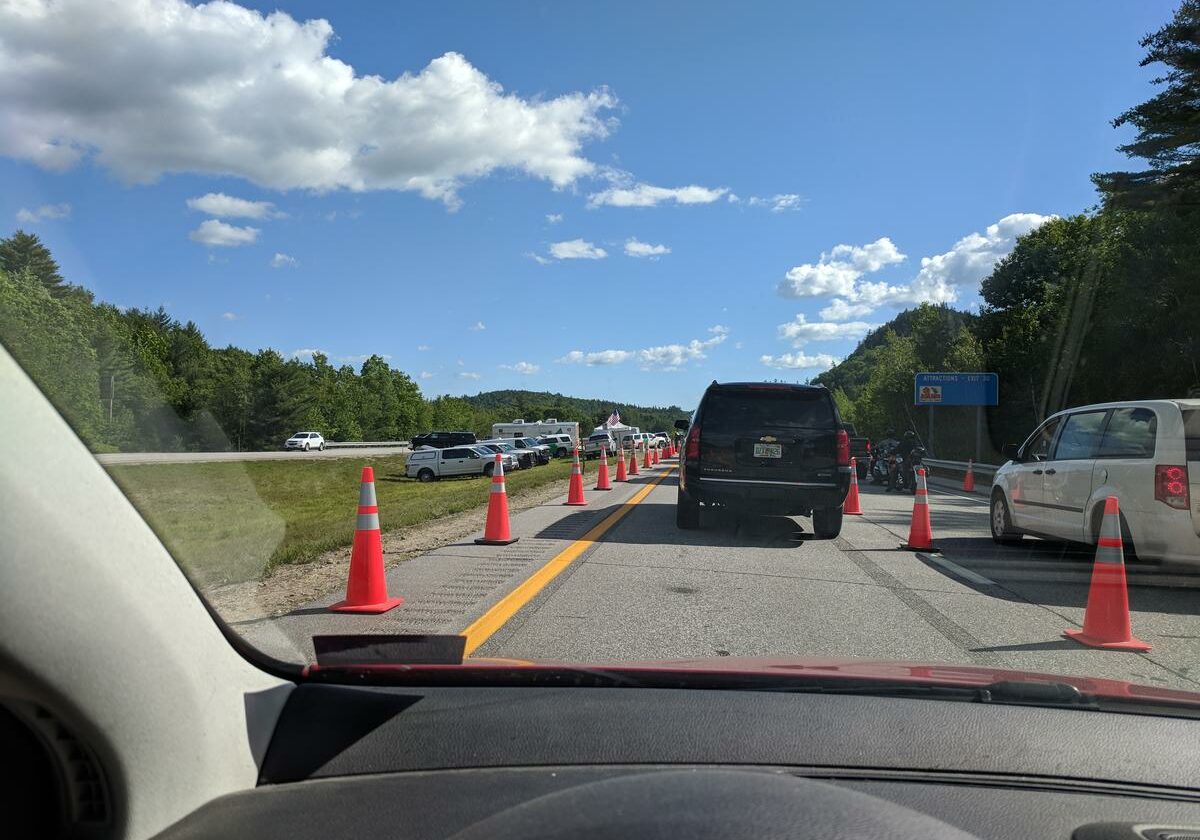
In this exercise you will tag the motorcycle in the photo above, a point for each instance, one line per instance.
(896, 473)
(915, 460)
(878, 469)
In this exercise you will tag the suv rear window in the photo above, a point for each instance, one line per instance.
(789, 408)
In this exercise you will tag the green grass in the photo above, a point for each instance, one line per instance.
(230, 522)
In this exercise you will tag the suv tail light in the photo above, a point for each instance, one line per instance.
(692, 447)
(843, 448)
(868, 447)
(1171, 486)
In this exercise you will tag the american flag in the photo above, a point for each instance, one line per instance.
(614, 418)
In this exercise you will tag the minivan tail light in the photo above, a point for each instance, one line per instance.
(843, 448)
(1171, 486)
(692, 447)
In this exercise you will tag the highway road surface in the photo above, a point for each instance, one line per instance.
(114, 458)
(617, 581)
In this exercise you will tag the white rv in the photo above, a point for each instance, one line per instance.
(537, 428)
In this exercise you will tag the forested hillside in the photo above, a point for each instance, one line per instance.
(140, 380)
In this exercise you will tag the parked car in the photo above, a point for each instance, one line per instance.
(525, 458)
(768, 448)
(305, 441)
(540, 451)
(440, 440)
(429, 463)
(512, 459)
(561, 446)
(1143, 452)
(591, 446)
(860, 450)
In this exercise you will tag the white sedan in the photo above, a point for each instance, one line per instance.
(305, 441)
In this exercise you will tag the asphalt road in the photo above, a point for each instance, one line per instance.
(113, 458)
(764, 586)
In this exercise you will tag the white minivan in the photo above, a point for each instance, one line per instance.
(1146, 453)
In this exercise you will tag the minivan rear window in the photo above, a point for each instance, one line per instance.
(1131, 433)
(1191, 433)
(788, 408)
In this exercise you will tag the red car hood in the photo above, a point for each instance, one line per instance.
(794, 667)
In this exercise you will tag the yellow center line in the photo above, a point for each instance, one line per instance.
(483, 627)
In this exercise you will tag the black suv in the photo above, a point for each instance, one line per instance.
(768, 448)
(440, 440)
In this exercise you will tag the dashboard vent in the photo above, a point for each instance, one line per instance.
(83, 780)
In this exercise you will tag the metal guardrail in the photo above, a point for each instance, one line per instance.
(359, 444)
(961, 466)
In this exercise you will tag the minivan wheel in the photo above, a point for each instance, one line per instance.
(1002, 527)
(687, 512)
(425, 476)
(827, 522)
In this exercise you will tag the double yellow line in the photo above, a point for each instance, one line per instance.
(508, 606)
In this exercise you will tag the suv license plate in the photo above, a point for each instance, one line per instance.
(768, 450)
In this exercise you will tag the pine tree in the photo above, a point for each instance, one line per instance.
(24, 252)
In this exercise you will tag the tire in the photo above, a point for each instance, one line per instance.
(425, 476)
(827, 522)
(321, 448)
(488, 469)
(306, 447)
(1003, 532)
(687, 512)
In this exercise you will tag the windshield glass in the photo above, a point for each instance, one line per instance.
(223, 222)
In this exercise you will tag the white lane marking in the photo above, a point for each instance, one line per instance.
(956, 569)
(933, 488)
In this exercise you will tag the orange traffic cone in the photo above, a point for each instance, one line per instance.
(920, 533)
(621, 476)
(495, 527)
(575, 489)
(969, 478)
(852, 505)
(366, 588)
(633, 467)
(1106, 619)
(602, 482)
(646, 458)
(654, 459)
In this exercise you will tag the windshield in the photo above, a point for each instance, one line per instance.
(967, 240)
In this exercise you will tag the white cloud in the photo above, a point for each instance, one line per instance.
(46, 211)
(737, 345)
(228, 207)
(634, 248)
(538, 258)
(625, 193)
(523, 368)
(800, 331)
(460, 363)
(163, 86)
(281, 260)
(478, 326)
(425, 374)
(214, 232)
(308, 352)
(577, 249)
(840, 310)
(837, 271)
(800, 361)
(664, 357)
(779, 203)
(362, 357)
(554, 218)
(231, 316)
(421, 348)
(466, 374)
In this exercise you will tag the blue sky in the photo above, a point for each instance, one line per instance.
(795, 166)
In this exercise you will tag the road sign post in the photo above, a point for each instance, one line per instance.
(965, 388)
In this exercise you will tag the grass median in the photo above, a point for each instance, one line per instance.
(231, 522)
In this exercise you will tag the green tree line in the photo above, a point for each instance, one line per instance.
(140, 380)
(1099, 306)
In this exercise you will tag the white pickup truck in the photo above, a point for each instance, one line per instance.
(428, 464)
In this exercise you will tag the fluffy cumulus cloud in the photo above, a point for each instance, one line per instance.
(162, 86)
(634, 248)
(801, 331)
(780, 203)
(840, 272)
(524, 368)
(625, 192)
(281, 260)
(46, 211)
(214, 232)
(800, 361)
(661, 357)
(308, 352)
(229, 207)
(577, 249)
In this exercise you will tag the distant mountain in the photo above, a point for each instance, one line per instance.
(507, 405)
